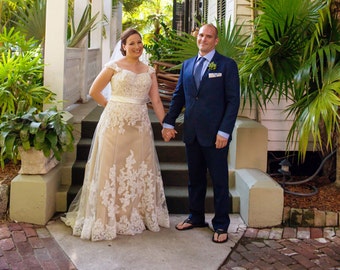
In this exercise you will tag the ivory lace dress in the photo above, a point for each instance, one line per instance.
(122, 191)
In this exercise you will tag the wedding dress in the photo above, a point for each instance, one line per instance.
(122, 191)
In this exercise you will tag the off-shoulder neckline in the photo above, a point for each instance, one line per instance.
(146, 72)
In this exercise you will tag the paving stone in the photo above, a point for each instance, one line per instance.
(24, 249)
(36, 242)
(273, 244)
(275, 233)
(303, 233)
(328, 232)
(263, 233)
(30, 231)
(7, 244)
(43, 233)
(19, 236)
(331, 218)
(4, 232)
(3, 263)
(319, 218)
(289, 232)
(251, 232)
(316, 233)
(14, 226)
(307, 218)
(304, 261)
(295, 217)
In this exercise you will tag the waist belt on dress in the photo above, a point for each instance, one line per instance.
(129, 100)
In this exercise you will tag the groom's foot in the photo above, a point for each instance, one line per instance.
(188, 224)
(220, 236)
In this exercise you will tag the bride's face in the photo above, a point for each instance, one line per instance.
(134, 46)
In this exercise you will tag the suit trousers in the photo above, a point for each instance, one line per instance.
(202, 160)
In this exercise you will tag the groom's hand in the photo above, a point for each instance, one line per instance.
(168, 134)
(220, 142)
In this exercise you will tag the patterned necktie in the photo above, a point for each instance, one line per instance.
(198, 71)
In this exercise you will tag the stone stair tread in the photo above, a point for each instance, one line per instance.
(183, 192)
(171, 143)
(173, 166)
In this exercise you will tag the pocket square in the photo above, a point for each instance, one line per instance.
(215, 75)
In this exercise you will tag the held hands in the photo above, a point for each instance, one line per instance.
(220, 141)
(168, 134)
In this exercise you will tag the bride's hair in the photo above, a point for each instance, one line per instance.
(128, 32)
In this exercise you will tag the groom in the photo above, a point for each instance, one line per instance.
(208, 88)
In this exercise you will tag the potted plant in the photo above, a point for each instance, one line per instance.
(44, 133)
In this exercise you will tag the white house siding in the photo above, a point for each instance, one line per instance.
(278, 124)
(212, 11)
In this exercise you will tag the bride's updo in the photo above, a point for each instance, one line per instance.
(125, 35)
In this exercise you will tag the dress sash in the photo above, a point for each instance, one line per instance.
(129, 100)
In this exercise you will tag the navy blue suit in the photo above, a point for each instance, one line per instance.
(211, 108)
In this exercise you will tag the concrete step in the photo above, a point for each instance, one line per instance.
(170, 154)
(173, 151)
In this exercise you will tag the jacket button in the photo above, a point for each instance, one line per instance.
(196, 98)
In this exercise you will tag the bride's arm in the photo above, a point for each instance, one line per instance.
(103, 78)
(156, 100)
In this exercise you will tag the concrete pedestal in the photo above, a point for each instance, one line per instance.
(33, 197)
(261, 203)
(248, 148)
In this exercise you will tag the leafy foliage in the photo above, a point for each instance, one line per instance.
(30, 18)
(172, 47)
(45, 131)
(21, 73)
(147, 17)
(294, 54)
(175, 47)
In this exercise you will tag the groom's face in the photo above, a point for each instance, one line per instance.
(206, 39)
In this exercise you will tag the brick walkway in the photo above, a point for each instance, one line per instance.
(26, 246)
(286, 248)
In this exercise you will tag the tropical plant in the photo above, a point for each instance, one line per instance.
(177, 47)
(171, 46)
(86, 24)
(29, 19)
(45, 131)
(294, 55)
(21, 73)
(147, 16)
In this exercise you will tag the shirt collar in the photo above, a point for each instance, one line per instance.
(208, 56)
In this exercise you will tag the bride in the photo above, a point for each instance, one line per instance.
(123, 190)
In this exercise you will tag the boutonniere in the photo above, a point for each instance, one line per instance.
(212, 66)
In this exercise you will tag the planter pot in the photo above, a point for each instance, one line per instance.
(34, 162)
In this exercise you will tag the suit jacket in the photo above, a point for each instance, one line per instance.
(213, 106)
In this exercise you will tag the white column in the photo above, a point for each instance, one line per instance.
(55, 44)
(106, 41)
(116, 25)
(79, 7)
(96, 34)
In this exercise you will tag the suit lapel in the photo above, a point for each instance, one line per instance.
(206, 72)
